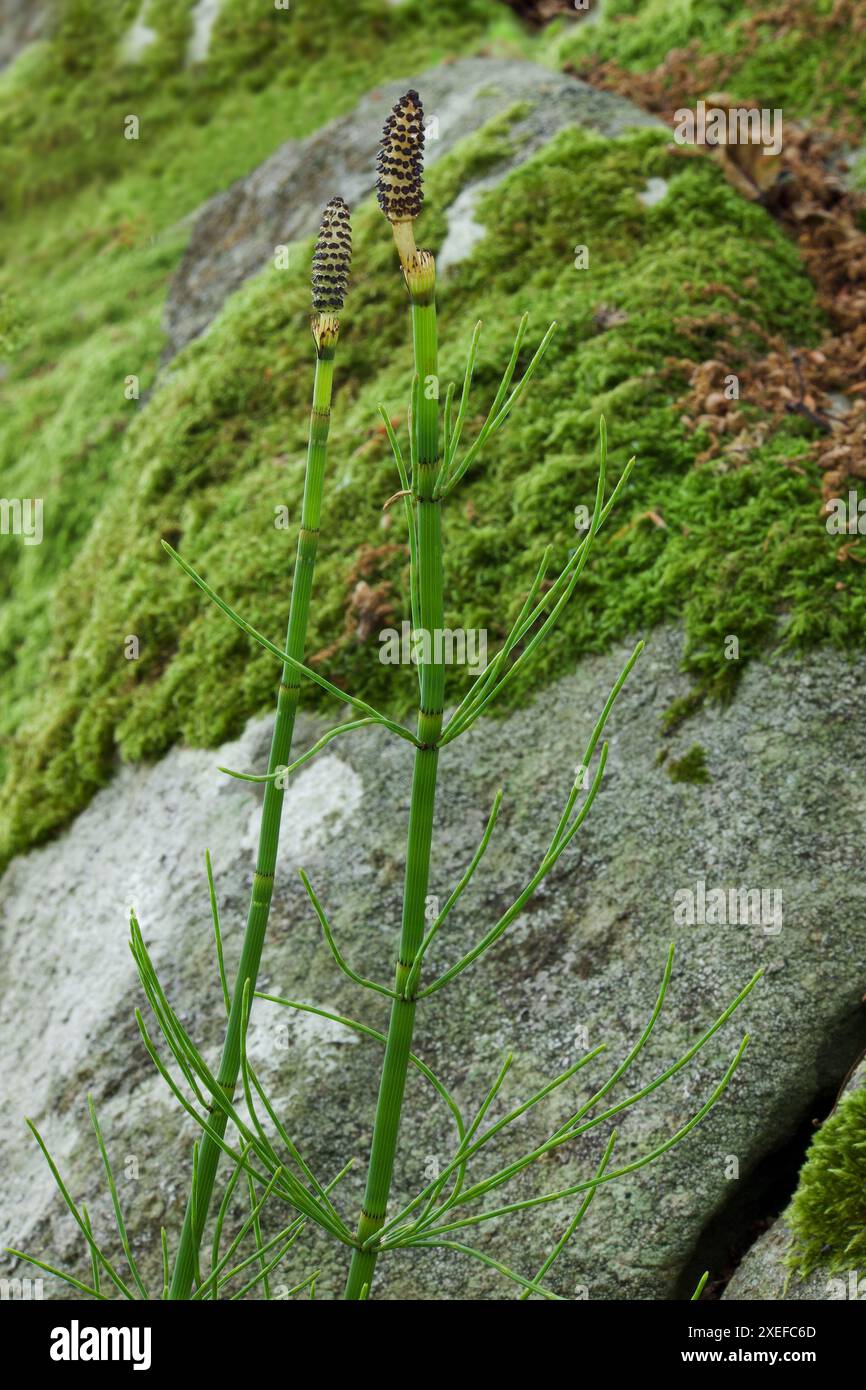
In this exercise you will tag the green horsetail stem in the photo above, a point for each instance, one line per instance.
(330, 274)
(421, 280)
(400, 197)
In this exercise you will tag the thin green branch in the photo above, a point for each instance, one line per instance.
(632, 1054)
(115, 1202)
(285, 1239)
(334, 949)
(452, 437)
(484, 687)
(447, 420)
(215, 914)
(267, 1147)
(449, 480)
(288, 1235)
(528, 1284)
(471, 1131)
(222, 1213)
(463, 1155)
(298, 1158)
(214, 1280)
(84, 1226)
(532, 1202)
(379, 1036)
(575, 1220)
(562, 837)
(500, 410)
(257, 1236)
(411, 418)
(414, 973)
(476, 1125)
(317, 747)
(486, 679)
(571, 1130)
(58, 1273)
(309, 1282)
(289, 1194)
(193, 1205)
(250, 1080)
(491, 691)
(411, 523)
(186, 1054)
(562, 833)
(94, 1263)
(517, 906)
(396, 1228)
(302, 1199)
(160, 1006)
(306, 671)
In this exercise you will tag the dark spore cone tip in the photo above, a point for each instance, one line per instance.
(332, 258)
(400, 162)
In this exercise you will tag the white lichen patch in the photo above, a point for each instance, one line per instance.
(204, 17)
(138, 37)
(317, 806)
(463, 230)
(653, 193)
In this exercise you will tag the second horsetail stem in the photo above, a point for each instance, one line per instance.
(330, 274)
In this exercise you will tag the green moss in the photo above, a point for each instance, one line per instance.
(679, 710)
(83, 284)
(270, 74)
(828, 1212)
(691, 767)
(639, 33)
(221, 444)
(805, 57)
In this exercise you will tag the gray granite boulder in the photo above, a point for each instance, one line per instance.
(783, 811)
(236, 232)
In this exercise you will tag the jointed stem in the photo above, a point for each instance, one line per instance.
(269, 833)
(430, 598)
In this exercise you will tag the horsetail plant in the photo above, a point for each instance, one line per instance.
(264, 1157)
(400, 197)
(331, 261)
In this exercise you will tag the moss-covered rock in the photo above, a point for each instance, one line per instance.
(204, 454)
(93, 228)
(523, 105)
(804, 57)
(828, 1213)
(817, 1248)
(220, 444)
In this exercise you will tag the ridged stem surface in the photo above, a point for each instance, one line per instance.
(269, 832)
(420, 834)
